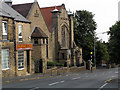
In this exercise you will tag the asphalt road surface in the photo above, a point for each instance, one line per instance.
(99, 79)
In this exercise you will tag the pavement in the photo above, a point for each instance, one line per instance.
(97, 80)
(28, 77)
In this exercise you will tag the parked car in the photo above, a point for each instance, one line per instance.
(104, 65)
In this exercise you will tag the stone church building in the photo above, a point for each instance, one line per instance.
(52, 35)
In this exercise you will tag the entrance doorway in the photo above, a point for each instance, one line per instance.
(28, 61)
(39, 66)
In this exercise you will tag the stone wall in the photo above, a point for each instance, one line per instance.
(26, 40)
(8, 44)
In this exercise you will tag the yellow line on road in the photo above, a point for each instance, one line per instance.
(108, 81)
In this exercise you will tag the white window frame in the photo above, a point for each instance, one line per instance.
(22, 60)
(5, 31)
(20, 29)
(5, 57)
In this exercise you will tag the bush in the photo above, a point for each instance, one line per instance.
(59, 64)
(52, 63)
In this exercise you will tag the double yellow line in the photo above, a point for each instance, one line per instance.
(108, 81)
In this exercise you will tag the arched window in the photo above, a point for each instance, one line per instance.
(63, 36)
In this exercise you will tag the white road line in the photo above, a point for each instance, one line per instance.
(56, 83)
(53, 83)
(75, 78)
(102, 86)
(116, 72)
(113, 76)
(62, 81)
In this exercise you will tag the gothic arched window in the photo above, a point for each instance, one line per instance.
(63, 36)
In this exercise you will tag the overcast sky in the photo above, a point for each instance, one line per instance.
(106, 11)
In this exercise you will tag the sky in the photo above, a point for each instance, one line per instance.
(106, 11)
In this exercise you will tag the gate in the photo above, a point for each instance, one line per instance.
(39, 66)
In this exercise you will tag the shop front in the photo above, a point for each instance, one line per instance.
(23, 59)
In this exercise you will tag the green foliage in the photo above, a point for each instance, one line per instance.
(52, 63)
(101, 53)
(59, 64)
(84, 32)
(114, 43)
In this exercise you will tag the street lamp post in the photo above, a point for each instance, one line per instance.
(94, 46)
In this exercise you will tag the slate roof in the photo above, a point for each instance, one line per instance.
(48, 15)
(46, 11)
(7, 11)
(38, 33)
(23, 8)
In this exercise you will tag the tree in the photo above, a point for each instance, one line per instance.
(101, 53)
(114, 43)
(84, 32)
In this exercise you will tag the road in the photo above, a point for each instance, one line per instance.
(99, 79)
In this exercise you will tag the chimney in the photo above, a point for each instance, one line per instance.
(8, 2)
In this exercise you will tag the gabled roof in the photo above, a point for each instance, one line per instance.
(38, 33)
(48, 15)
(23, 8)
(7, 11)
(46, 12)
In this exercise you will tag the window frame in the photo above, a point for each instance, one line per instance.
(63, 42)
(8, 67)
(36, 40)
(4, 30)
(22, 61)
(20, 29)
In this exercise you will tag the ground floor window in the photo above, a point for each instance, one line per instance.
(20, 59)
(5, 59)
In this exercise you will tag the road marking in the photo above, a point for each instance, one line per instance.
(56, 83)
(113, 76)
(62, 81)
(107, 81)
(66, 75)
(116, 72)
(75, 78)
(53, 83)
(102, 86)
(34, 88)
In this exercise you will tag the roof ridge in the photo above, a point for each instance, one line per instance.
(50, 7)
(22, 4)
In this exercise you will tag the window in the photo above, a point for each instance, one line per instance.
(5, 59)
(36, 14)
(46, 41)
(20, 60)
(35, 41)
(20, 28)
(5, 29)
(43, 41)
(47, 48)
(63, 35)
(63, 55)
